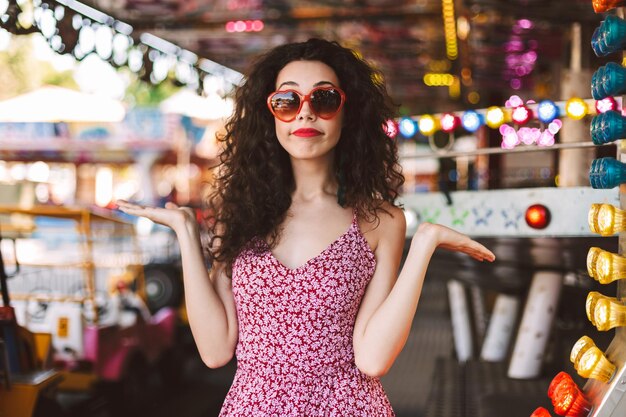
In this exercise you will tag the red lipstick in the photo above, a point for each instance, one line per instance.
(306, 132)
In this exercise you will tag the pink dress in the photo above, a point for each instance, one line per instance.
(294, 355)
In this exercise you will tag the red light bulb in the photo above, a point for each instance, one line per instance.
(606, 104)
(557, 380)
(567, 398)
(537, 216)
(541, 412)
(521, 115)
(449, 122)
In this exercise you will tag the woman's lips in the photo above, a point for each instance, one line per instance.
(306, 133)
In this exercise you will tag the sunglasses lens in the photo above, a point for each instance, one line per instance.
(285, 104)
(325, 102)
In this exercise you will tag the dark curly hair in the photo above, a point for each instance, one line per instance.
(255, 181)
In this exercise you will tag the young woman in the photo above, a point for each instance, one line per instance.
(305, 286)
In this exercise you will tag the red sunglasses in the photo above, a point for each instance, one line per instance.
(325, 103)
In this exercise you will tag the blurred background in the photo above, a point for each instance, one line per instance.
(503, 109)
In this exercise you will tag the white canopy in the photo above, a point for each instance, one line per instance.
(57, 104)
(188, 103)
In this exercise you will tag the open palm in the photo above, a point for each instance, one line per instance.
(450, 239)
(171, 216)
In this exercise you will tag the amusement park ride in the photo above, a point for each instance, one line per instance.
(78, 315)
(563, 227)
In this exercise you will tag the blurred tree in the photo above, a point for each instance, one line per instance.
(144, 94)
(21, 71)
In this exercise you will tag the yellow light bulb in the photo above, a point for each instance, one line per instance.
(580, 347)
(609, 313)
(606, 219)
(427, 125)
(590, 305)
(495, 117)
(609, 267)
(576, 108)
(590, 362)
(592, 218)
(592, 257)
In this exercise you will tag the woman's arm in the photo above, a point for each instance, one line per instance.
(209, 299)
(388, 307)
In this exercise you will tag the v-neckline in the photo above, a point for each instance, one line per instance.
(311, 260)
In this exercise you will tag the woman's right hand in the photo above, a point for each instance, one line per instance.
(173, 216)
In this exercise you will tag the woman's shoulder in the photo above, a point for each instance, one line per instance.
(386, 215)
(391, 218)
(388, 222)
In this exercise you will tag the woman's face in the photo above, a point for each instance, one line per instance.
(308, 136)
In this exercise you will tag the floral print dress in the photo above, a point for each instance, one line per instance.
(294, 354)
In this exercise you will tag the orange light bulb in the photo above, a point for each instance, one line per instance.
(601, 6)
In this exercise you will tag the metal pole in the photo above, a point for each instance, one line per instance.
(493, 151)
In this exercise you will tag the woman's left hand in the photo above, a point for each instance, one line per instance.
(446, 238)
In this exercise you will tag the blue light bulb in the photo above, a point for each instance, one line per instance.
(610, 36)
(597, 41)
(407, 127)
(547, 111)
(594, 81)
(472, 120)
(609, 80)
(607, 127)
(607, 173)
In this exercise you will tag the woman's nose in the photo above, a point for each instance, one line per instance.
(306, 111)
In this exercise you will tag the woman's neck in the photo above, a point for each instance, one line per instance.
(313, 179)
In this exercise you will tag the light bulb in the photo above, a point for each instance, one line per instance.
(601, 6)
(606, 104)
(606, 220)
(407, 127)
(472, 120)
(609, 37)
(610, 267)
(427, 125)
(576, 108)
(590, 362)
(567, 398)
(607, 127)
(607, 173)
(592, 257)
(609, 80)
(590, 305)
(495, 117)
(449, 122)
(609, 313)
(547, 111)
(521, 115)
(541, 412)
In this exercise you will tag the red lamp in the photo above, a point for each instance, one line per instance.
(449, 122)
(521, 115)
(567, 398)
(537, 216)
(606, 104)
(541, 412)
